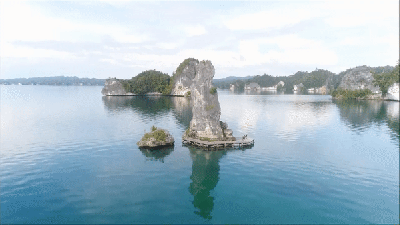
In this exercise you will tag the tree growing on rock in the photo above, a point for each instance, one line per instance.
(385, 79)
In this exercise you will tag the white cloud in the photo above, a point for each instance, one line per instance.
(167, 45)
(8, 50)
(232, 37)
(22, 22)
(195, 30)
(392, 40)
(293, 49)
(111, 61)
(276, 18)
(361, 13)
(351, 41)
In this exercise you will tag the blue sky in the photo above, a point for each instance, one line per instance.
(120, 39)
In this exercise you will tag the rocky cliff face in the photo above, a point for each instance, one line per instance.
(196, 77)
(206, 109)
(184, 81)
(114, 87)
(359, 78)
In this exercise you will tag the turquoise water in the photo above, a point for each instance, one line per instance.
(69, 155)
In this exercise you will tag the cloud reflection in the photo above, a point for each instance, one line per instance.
(287, 115)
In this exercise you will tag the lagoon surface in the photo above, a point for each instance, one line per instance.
(69, 155)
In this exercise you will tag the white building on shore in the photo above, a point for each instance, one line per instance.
(298, 87)
(252, 87)
(273, 88)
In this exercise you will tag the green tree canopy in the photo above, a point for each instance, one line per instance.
(147, 81)
(385, 79)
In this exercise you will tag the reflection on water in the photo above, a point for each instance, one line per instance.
(68, 157)
(151, 106)
(205, 176)
(259, 92)
(147, 105)
(157, 154)
(288, 116)
(273, 92)
(362, 114)
(182, 110)
(300, 116)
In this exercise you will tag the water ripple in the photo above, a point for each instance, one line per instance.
(318, 160)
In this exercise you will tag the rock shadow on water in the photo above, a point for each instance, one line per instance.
(205, 177)
(157, 154)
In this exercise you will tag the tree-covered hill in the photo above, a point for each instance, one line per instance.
(314, 79)
(154, 81)
(146, 82)
(384, 78)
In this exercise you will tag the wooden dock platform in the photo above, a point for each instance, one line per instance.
(215, 145)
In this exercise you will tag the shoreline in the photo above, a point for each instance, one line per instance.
(378, 99)
(148, 95)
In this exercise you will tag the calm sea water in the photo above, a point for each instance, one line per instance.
(69, 155)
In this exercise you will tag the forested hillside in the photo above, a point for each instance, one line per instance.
(385, 77)
(146, 82)
(314, 79)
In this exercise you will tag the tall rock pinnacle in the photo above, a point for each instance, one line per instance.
(194, 78)
(206, 109)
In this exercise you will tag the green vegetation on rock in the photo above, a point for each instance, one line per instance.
(190, 133)
(385, 79)
(213, 90)
(178, 72)
(351, 94)
(207, 139)
(209, 107)
(183, 64)
(146, 82)
(223, 127)
(316, 78)
(279, 87)
(159, 135)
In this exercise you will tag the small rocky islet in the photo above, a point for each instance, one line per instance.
(156, 138)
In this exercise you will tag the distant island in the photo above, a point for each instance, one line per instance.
(59, 80)
(362, 82)
(152, 82)
(309, 80)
